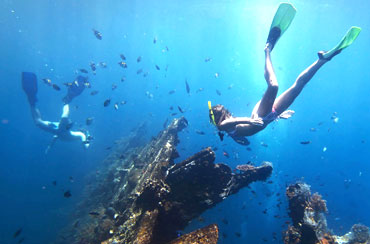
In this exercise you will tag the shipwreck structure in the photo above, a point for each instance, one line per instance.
(307, 212)
(141, 196)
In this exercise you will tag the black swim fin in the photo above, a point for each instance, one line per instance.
(29, 85)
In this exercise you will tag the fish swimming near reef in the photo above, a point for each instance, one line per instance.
(93, 93)
(47, 81)
(97, 34)
(180, 109)
(67, 194)
(89, 121)
(56, 87)
(157, 67)
(122, 64)
(187, 87)
(17, 233)
(92, 66)
(107, 102)
(84, 71)
(94, 213)
(138, 59)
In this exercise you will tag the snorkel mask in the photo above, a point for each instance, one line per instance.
(211, 113)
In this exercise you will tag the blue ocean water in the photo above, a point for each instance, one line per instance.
(54, 38)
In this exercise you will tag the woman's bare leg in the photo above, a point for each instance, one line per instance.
(288, 97)
(265, 105)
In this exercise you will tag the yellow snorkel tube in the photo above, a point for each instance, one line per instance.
(211, 113)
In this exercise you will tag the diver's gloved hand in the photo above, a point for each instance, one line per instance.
(257, 121)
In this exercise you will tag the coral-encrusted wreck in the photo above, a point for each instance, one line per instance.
(142, 197)
(309, 222)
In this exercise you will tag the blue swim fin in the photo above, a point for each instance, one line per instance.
(29, 85)
(75, 89)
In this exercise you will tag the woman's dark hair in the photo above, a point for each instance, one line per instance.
(220, 113)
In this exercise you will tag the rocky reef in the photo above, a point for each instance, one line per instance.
(142, 197)
(307, 212)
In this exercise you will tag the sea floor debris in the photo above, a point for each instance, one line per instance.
(307, 212)
(143, 197)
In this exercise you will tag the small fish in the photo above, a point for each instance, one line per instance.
(171, 92)
(87, 84)
(264, 144)
(226, 154)
(67, 194)
(106, 102)
(123, 79)
(68, 84)
(56, 87)
(97, 34)
(217, 75)
(108, 148)
(89, 120)
(138, 59)
(145, 74)
(157, 67)
(305, 142)
(103, 65)
(238, 234)
(94, 213)
(139, 71)
(171, 108)
(92, 66)
(47, 81)
(21, 240)
(93, 93)
(187, 87)
(199, 132)
(200, 90)
(17, 233)
(54, 182)
(122, 57)
(123, 102)
(207, 59)
(116, 106)
(180, 109)
(218, 92)
(84, 71)
(312, 129)
(114, 87)
(155, 40)
(71, 179)
(122, 64)
(173, 114)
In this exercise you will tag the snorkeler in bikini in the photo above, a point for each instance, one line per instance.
(270, 108)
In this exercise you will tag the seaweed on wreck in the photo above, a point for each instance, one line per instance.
(144, 198)
(307, 212)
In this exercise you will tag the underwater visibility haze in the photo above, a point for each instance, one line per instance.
(109, 67)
